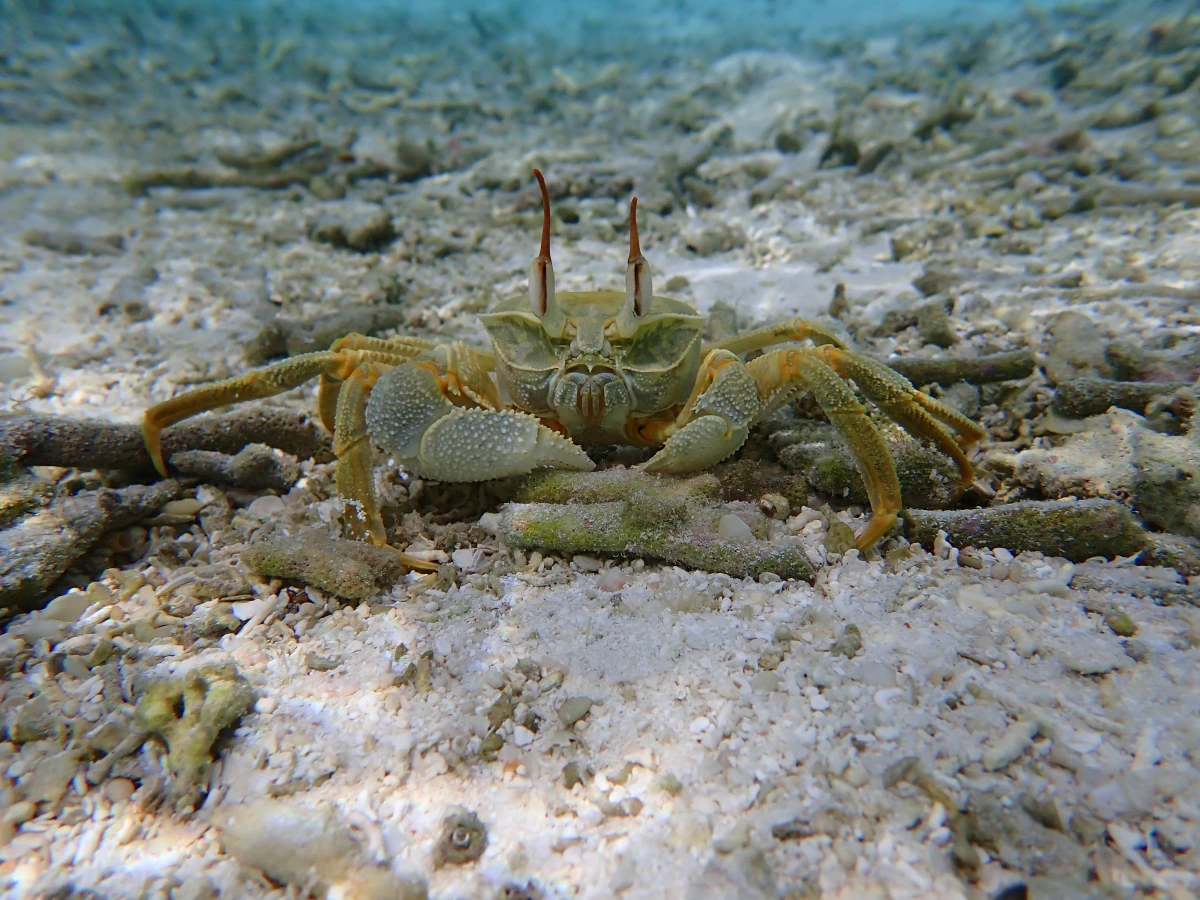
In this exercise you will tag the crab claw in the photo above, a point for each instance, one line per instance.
(409, 415)
(541, 274)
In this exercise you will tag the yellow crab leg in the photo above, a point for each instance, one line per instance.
(355, 473)
(265, 382)
(779, 333)
(782, 371)
(916, 412)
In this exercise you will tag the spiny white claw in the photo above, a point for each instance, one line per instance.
(480, 444)
(701, 443)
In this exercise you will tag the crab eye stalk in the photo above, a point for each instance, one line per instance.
(541, 274)
(638, 286)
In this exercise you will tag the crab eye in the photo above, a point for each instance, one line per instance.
(541, 273)
(541, 285)
(638, 286)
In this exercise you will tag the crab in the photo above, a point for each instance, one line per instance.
(568, 369)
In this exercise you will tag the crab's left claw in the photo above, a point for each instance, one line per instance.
(714, 422)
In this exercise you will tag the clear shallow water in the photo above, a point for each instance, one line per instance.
(571, 27)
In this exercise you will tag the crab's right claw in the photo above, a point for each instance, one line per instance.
(482, 444)
(410, 416)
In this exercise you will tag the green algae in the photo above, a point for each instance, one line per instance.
(630, 513)
(555, 486)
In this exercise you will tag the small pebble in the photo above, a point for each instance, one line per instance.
(265, 507)
(21, 812)
(669, 784)
(849, 643)
(765, 681)
(321, 663)
(733, 528)
(188, 507)
(68, 607)
(737, 838)
(1015, 741)
(572, 775)
(585, 563)
(611, 580)
(463, 840)
(118, 790)
(522, 736)
(573, 710)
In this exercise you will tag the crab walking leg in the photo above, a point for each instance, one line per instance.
(714, 422)
(265, 382)
(916, 412)
(438, 416)
(355, 474)
(409, 348)
(779, 333)
(779, 371)
(390, 351)
(351, 446)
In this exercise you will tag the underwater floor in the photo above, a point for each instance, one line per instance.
(611, 684)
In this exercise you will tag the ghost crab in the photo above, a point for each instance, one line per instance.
(603, 367)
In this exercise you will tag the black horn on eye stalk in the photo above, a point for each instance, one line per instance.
(541, 273)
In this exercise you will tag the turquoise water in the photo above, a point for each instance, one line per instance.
(565, 28)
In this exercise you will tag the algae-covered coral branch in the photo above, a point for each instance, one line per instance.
(349, 569)
(814, 449)
(90, 444)
(37, 551)
(1075, 529)
(188, 712)
(633, 514)
(946, 371)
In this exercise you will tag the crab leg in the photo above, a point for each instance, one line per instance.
(714, 421)
(265, 382)
(332, 365)
(779, 333)
(439, 416)
(355, 473)
(781, 371)
(916, 412)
